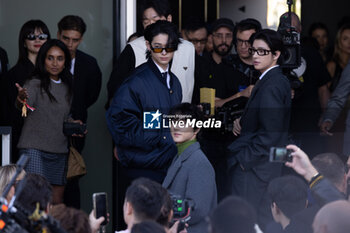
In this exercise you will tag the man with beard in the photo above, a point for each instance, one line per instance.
(243, 61)
(211, 72)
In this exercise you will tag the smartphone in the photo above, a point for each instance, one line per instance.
(100, 205)
(280, 155)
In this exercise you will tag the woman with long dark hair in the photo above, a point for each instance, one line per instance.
(48, 93)
(33, 34)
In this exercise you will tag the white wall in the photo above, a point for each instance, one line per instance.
(253, 9)
(98, 43)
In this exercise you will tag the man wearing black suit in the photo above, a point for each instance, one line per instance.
(87, 80)
(264, 124)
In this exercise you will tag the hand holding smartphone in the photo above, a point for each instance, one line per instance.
(100, 206)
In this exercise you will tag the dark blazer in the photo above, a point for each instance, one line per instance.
(191, 175)
(87, 81)
(264, 123)
(144, 91)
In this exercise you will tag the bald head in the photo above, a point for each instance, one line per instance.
(295, 21)
(333, 218)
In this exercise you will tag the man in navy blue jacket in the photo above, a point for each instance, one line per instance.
(144, 148)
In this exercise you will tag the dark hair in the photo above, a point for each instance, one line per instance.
(289, 193)
(318, 25)
(191, 111)
(233, 214)
(165, 211)
(135, 34)
(144, 195)
(29, 28)
(273, 39)
(147, 227)
(162, 27)
(72, 22)
(331, 166)
(36, 189)
(72, 220)
(193, 24)
(41, 73)
(246, 24)
(162, 7)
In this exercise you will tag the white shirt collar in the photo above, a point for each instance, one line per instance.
(160, 68)
(162, 71)
(263, 74)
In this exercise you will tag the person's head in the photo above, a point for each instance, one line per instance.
(320, 32)
(148, 227)
(71, 29)
(196, 32)
(342, 42)
(243, 31)
(267, 46)
(32, 36)
(162, 40)
(233, 214)
(72, 220)
(333, 168)
(36, 189)
(133, 36)
(333, 218)
(295, 20)
(166, 212)
(153, 10)
(53, 62)
(222, 36)
(288, 196)
(180, 129)
(142, 201)
(6, 174)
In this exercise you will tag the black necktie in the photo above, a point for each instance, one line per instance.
(165, 75)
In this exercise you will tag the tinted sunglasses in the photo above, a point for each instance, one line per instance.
(167, 49)
(42, 36)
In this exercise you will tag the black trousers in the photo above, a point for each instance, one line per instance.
(250, 187)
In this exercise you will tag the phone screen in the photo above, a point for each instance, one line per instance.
(279, 154)
(100, 206)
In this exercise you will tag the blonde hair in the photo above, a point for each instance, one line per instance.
(6, 174)
(337, 51)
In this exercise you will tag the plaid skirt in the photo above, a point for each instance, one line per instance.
(50, 165)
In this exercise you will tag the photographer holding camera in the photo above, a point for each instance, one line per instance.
(311, 98)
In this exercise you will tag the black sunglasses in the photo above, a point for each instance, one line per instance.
(167, 49)
(42, 36)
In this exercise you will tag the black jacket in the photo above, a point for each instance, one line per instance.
(265, 123)
(87, 80)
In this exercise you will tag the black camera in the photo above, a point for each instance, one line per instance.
(182, 208)
(15, 219)
(229, 112)
(291, 41)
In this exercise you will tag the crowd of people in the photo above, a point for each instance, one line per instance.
(225, 174)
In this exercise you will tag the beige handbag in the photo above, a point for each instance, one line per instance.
(76, 164)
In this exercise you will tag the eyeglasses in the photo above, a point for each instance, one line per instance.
(42, 36)
(260, 52)
(160, 50)
(222, 36)
(195, 41)
(241, 42)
